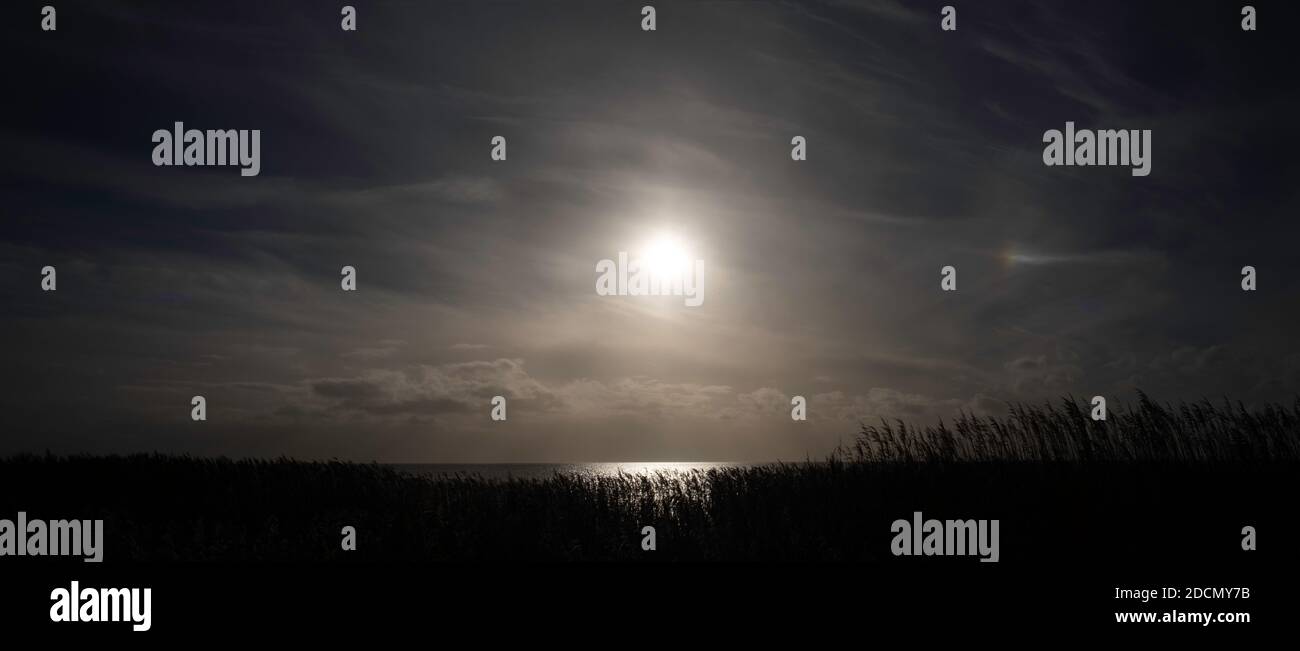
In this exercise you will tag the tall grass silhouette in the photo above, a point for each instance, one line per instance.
(1190, 432)
(1060, 482)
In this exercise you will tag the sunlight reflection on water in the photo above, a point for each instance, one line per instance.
(544, 470)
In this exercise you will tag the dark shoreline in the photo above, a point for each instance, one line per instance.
(1155, 484)
(284, 510)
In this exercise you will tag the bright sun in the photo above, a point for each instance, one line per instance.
(664, 255)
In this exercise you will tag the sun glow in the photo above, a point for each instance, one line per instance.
(664, 255)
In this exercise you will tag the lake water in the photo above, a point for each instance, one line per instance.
(544, 470)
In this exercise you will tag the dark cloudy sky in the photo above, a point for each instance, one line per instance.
(477, 278)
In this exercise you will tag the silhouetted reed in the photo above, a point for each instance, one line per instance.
(1048, 472)
(1188, 432)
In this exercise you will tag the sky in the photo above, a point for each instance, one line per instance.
(476, 277)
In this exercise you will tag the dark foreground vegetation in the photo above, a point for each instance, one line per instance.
(1150, 484)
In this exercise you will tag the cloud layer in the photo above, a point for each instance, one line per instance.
(475, 277)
